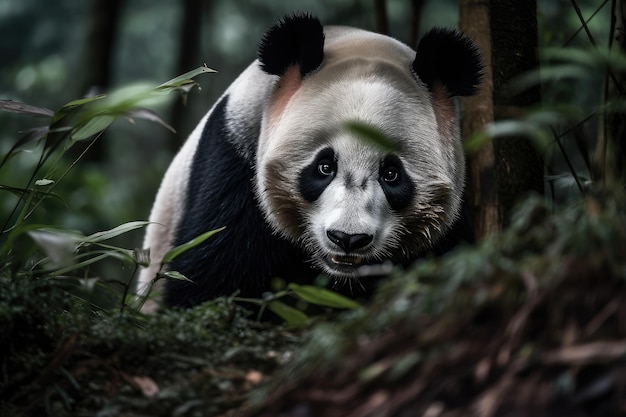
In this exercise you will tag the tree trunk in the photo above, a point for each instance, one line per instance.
(97, 62)
(519, 166)
(189, 48)
(98, 49)
(477, 112)
(380, 11)
(610, 155)
(416, 17)
(508, 168)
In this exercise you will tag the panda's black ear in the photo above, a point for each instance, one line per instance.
(449, 57)
(295, 40)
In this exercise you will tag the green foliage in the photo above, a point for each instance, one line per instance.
(575, 127)
(512, 316)
(174, 252)
(70, 255)
(305, 296)
(60, 357)
(369, 134)
(75, 341)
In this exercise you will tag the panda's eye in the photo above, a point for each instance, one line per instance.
(315, 177)
(396, 182)
(325, 168)
(390, 174)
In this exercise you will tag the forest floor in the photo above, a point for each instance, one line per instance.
(531, 322)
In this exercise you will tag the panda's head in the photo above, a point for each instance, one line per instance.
(346, 201)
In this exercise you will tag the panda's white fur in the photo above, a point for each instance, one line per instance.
(321, 188)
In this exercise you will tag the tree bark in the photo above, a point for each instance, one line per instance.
(477, 112)
(506, 169)
(189, 48)
(416, 17)
(97, 64)
(380, 11)
(519, 166)
(610, 154)
(99, 41)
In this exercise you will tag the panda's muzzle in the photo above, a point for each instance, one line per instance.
(349, 242)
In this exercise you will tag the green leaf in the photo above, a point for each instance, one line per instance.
(126, 254)
(174, 252)
(21, 108)
(30, 135)
(26, 193)
(92, 127)
(372, 135)
(597, 57)
(82, 101)
(185, 78)
(174, 275)
(58, 247)
(141, 257)
(292, 316)
(475, 142)
(322, 296)
(82, 264)
(151, 116)
(116, 231)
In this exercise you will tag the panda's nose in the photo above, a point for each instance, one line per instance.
(349, 242)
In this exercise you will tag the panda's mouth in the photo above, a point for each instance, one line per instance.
(344, 265)
(346, 261)
(355, 266)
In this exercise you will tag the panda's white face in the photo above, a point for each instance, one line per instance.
(346, 201)
(350, 221)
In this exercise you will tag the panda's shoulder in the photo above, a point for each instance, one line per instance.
(246, 99)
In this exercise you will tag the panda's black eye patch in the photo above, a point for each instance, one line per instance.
(315, 177)
(395, 182)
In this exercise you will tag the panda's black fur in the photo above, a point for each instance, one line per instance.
(222, 196)
(230, 172)
(295, 40)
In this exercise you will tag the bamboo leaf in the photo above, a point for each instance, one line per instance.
(372, 135)
(116, 231)
(174, 252)
(174, 275)
(322, 296)
(292, 316)
(57, 246)
(82, 264)
(29, 136)
(92, 127)
(26, 193)
(21, 108)
(185, 78)
(82, 101)
(151, 116)
(126, 254)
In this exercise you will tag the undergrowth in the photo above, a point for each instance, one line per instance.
(530, 322)
(73, 339)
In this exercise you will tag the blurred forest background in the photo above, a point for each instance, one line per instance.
(54, 52)
(531, 318)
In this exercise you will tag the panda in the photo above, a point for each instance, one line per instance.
(299, 192)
